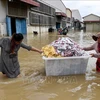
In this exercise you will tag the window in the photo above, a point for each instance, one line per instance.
(36, 19)
(45, 9)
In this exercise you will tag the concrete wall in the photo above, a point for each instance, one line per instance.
(69, 13)
(3, 11)
(76, 15)
(38, 29)
(3, 31)
(57, 4)
(68, 24)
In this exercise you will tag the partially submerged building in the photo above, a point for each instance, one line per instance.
(77, 19)
(92, 23)
(27, 16)
(14, 15)
(60, 12)
(69, 18)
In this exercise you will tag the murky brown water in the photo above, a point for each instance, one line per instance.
(35, 85)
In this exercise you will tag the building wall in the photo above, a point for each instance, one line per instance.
(69, 13)
(40, 20)
(57, 4)
(3, 29)
(38, 28)
(42, 29)
(3, 5)
(3, 11)
(92, 27)
(92, 23)
(69, 17)
(76, 15)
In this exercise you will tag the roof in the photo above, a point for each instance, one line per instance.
(92, 21)
(69, 9)
(31, 2)
(91, 14)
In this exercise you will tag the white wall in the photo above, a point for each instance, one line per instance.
(3, 11)
(3, 31)
(57, 4)
(38, 29)
(3, 5)
(76, 15)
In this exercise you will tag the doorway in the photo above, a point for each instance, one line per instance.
(57, 25)
(13, 25)
(16, 25)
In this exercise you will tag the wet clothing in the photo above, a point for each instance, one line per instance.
(98, 60)
(9, 64)
(95, 47)
(98, 65)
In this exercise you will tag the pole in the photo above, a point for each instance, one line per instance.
(39, 25)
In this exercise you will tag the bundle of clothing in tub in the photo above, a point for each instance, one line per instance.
(63, 47)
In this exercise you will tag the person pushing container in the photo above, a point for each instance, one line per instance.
(9, 64)
(96, 47)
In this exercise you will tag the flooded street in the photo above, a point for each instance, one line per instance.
(33, 84)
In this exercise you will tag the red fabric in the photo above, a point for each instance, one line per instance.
(12, 46)
(98, 60)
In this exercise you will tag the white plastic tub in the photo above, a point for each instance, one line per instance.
(65, 65)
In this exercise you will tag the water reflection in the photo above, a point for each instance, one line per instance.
(81, 38)
(35, 85)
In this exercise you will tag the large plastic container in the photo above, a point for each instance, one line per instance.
(65, 65)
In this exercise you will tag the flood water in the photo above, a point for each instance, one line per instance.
(33, 84)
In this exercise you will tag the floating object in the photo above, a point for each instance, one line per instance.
(64, 57)
(65, 65)
(62, 47)
(35, 32)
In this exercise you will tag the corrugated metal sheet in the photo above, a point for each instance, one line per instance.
(94, 27)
